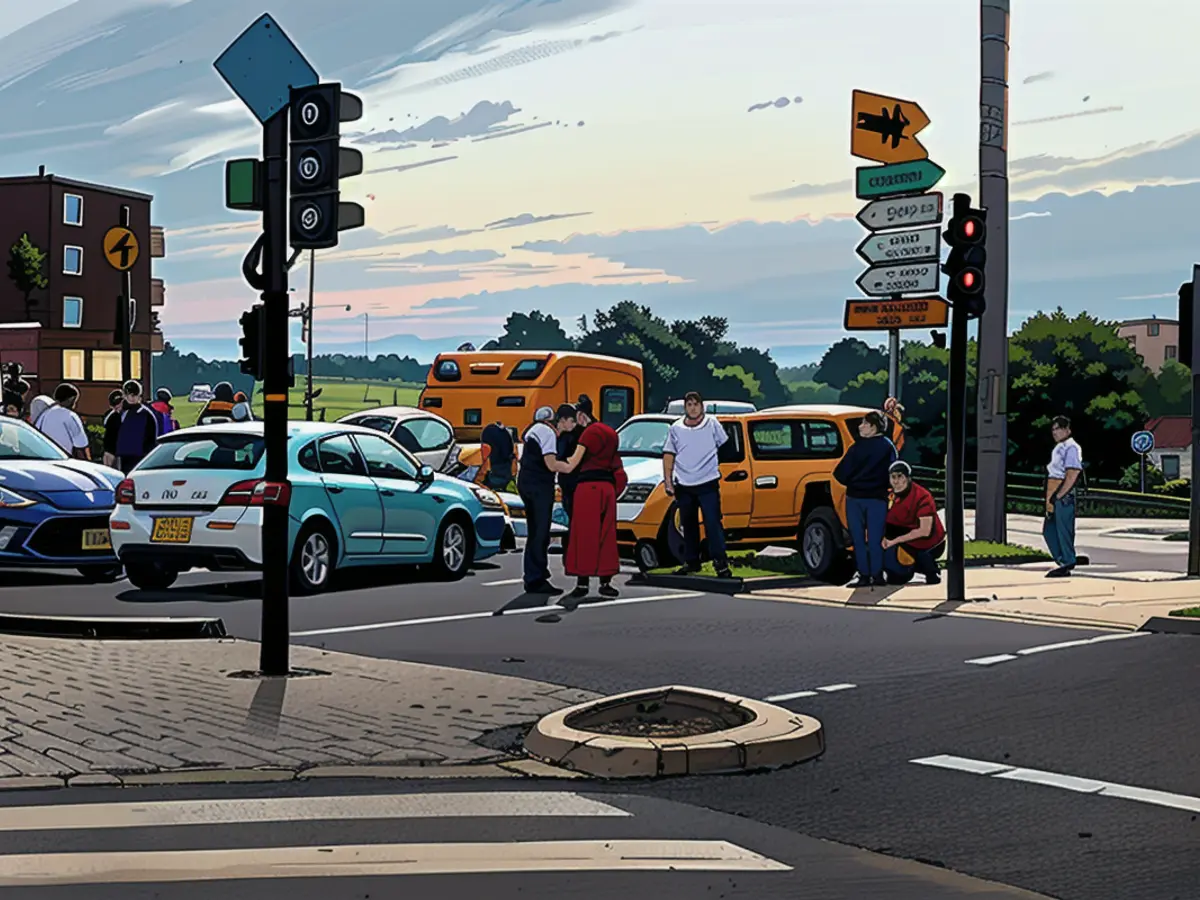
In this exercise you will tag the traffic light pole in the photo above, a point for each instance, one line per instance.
(308, 373)
(956, 439)
(123, 318)
(274, 635)
(1193, 563)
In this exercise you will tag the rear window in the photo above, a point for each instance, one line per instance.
(240, 452)
(527, 370)
(447, 370)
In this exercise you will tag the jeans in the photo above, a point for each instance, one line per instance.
(1059, 531)
(539, 509)
(694, 500)
(867, 519)
(924, 561)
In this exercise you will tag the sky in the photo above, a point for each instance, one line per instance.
(566, 155)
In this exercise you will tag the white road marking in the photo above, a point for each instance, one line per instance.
(1062, 645)
(795, 695)
(380, 859)
(462, 617)
(832, 688)
(1063, 782)
(144, 814)
(505, 581)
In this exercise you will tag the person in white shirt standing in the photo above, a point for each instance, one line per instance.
(692, 475)
(61, 424)
(1066, 465)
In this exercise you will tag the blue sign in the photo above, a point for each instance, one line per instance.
(262, 65)
(1142, 442)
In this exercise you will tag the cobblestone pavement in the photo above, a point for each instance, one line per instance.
(92, 710)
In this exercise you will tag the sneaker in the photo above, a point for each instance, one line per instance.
(933, 579)
(879, 581)
(607, 590)
(1060, 572)
(860, 581)
(724, 572)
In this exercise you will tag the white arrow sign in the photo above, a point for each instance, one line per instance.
(902, 212)
(902, 278)
(901, 246)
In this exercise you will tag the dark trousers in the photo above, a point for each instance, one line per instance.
(924, 561)
(867, 520)
(126, 463)
(693, 501)
(539, 512)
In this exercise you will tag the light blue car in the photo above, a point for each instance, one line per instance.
(357, 499)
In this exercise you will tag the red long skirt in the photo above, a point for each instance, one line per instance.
(592, 547)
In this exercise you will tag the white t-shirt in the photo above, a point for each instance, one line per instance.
(545, 437)
(695, 450)
(1066, 455)
(64, 427)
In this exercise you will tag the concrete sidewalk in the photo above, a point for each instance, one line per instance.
(144, 712)
(1122, 601)
(1144, 536)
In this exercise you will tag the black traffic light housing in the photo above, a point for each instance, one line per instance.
(316, 164)
(253, 342)
(1186, 318)
(966, 235)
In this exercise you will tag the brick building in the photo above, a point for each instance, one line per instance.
(1154, 340)
(66, 333)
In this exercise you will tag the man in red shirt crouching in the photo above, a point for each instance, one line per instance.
(915, 537)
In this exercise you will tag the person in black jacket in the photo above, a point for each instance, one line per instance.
(112, 426)
(863, 471)
(567, 442)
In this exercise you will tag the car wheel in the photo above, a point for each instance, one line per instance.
(670, 542)
(313, 559)
(452, 552)
(100, 574)
(646, 557)
(150, 577)
(821, 546)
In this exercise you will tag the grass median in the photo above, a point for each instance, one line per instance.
(1192, 612)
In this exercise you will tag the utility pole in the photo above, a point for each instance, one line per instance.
(992, 457)
(367, 336)
(1192, 340)
(308, 332)
(894, 362)
(126, 312)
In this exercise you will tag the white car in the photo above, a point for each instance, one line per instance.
(428, 437)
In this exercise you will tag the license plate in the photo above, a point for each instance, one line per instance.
(172, 530)
(96, 539)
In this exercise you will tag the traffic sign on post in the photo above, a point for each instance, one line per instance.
(897, 180)
(900, 278)
(905, 212)
(121, 248)
(901, 246)
(884, 129)
(888, 315)
(1142, 442)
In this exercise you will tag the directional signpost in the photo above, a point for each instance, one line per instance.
(906, 212)
(900, 278)
(923, 243)
(1142, 443)
(889, 315)
(897, 180)
(121, 250)
(885, 129)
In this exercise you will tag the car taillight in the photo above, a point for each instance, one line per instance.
(125, 492)
(258, 493)
(240, 494)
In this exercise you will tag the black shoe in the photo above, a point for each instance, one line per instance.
(933, 579)
(1060, 572)
(724, 572)
(861, 581)
(542, 587)
(581, 591)
(607, 590)
(686, 570)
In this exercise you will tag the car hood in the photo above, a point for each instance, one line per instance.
(66, 483)
(644, 470)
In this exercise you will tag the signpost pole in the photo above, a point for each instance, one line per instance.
(1142, 471)
(894, 362)
(124, 318)
(1193, 565)
(956, 436)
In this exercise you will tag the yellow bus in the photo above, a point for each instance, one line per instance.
(470, 389)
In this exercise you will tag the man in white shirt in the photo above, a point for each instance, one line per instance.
(535, 484)
(1066, 465)
(61, 424)
(691, 474)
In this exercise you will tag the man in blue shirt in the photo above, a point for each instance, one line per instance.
(138, 430)
(864, 472)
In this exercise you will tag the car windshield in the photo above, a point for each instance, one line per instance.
(220, 451)
(21, 441)
(645, 438)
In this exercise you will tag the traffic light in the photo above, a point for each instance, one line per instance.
(316, 164)
(966, 234)
(1186, 313)
(253, 342)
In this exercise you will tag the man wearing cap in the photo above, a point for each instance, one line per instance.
(915, 536)
(535, 484)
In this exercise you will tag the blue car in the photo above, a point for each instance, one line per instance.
(53, 509)
(357, 498)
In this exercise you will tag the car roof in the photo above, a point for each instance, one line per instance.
(296, 428)
(811, 409)
(400, 413)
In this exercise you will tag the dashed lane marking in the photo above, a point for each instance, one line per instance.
(815, 692)
(1045, 648)
(504, 582)
(1063, 782)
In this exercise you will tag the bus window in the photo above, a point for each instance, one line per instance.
(511, 401)
(616, 404)
(472, 416)
(447, 370)
(432, 402)
(527, 370)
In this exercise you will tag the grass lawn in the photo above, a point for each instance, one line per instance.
(993, 550)
(1192, 612)
(751, 565)
(338, 398)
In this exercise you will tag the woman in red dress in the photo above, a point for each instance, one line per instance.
(592, 544)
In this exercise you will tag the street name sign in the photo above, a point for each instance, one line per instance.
(901, 246)
(902, 278)
(120, 248)
(1142, 442)
(897, 180)
(905, 212)
(884, 129)
(887, 315)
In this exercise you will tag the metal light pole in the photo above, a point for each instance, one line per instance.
(305, 314)
(992, 366)
(367, 336)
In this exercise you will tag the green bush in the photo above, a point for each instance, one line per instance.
(1179, 487)
(1131, 478)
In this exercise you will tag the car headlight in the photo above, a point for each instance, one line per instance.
(487, 499)
(13, 500)
(637, 493)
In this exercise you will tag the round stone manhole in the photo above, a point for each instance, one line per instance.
(674, 730)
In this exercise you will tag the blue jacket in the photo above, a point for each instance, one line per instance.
(864, 469)
(138, 432)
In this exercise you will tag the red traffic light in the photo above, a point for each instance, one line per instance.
(969, 280)
(969, 228)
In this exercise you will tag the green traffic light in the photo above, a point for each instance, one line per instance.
(243, 184)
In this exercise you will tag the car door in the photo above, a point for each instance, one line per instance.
(352, 494)
(429, 440)
(411, 513)
(737, 491)
(787, 453)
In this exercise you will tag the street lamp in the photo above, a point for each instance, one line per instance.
(367, 336)
(305, 314)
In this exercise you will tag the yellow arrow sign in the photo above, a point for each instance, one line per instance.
(120, 248)
(884, 129)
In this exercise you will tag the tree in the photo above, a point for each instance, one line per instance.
(1167, 393)
(812, 392)
(535, 331)
(27, 269)
(798, 374)
(846, 360)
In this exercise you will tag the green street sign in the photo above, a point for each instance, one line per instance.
(243, 184)
(898, 179)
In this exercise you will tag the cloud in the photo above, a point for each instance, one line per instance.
(480, 119)
(530, 219)
(416, 165)
(1071, 115)
(451, 258)
(510, 132)
(776, 104)
(1172, 161)
(807, 190)
(1039, 76)
(1029, 215)
(1041, 163)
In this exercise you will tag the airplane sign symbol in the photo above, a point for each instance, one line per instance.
(885, 126)
(884, 129)
(121, 248)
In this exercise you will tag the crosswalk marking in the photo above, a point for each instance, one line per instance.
(522, 804)
(158, 866)
(1046, 648)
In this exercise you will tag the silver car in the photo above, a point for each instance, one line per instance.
(427, 437)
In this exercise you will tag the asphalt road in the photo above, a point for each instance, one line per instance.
(890, 687)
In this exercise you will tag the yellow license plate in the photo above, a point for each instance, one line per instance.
(172, 530)
(96, 539)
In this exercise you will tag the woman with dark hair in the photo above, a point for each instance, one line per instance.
(863, 471)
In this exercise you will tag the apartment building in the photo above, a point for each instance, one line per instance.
(65, 332)
(1155, 340)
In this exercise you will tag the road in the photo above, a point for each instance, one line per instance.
(929, 749)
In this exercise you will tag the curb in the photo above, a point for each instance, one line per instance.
(1172, 625)
(112, 627)
(711, 585)
(980, 562)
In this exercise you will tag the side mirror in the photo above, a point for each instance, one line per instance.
(425, 474)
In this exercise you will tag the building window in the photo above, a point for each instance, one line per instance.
(1171, 352)
(1170, 467)
(72, 312)
(1152, 329)
(106, 365)
(72, 365)
(72, 209)
(72, 260)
